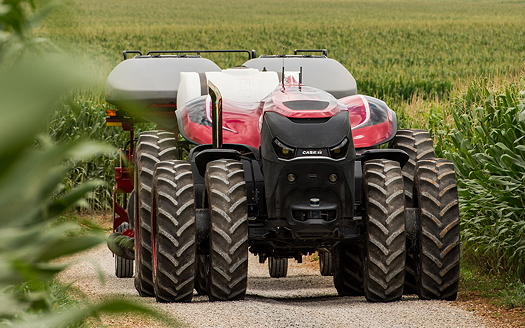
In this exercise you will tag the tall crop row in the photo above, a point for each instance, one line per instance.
(82, 117)
(487, 144)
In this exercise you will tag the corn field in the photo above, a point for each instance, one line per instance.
(487, 145)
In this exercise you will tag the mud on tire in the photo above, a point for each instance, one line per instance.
(226, 192)
(439, 246)
(152, 147)
(348, 270)
(174, 242)
(384, 269)
(277, 268)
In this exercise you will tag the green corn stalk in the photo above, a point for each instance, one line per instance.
(487, 145)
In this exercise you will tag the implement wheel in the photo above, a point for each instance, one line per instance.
(384, 269)
(226, 193)
(438, 257)
(152, 147)
(277, 268)
(326, 266)
(123, 267)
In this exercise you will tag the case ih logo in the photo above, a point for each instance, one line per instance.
(312, 152)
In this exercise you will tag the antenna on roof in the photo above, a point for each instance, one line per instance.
(282, 78)
(300, 77)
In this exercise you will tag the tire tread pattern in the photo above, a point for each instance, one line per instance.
(439, 252)
(226, 189)
(277, 268)
(175, 237)
(152, 147)
(419, 146)
(385, 225)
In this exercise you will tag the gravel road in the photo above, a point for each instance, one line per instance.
(303, 299)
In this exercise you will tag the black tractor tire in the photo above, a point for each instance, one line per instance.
(348, 269)
(152, 147)
(384, 269)
(202, 273)
(174, 243)
(277, 268)
(123, 267)
(439, 243)
(131, 209)
(419, 146)
(226, 193)
(326, 265)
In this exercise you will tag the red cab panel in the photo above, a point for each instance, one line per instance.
(373, 122)
(240, 121)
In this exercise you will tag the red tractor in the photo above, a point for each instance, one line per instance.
(279, 157)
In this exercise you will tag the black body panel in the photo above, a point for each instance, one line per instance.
(311, 173)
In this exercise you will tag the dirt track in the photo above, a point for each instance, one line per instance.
(303, 299)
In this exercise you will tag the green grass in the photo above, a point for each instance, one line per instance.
(502, 289)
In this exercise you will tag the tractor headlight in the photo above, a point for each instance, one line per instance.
(282, 150)
(340, 150)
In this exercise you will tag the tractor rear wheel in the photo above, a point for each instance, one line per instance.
(202, 273)
(419, 146)
(438, 258)
(174, 232)
(348, 270)
(152, 147)
(226, 194)
(384, 269)
(277, 268)
(123, 267)
(326, 266)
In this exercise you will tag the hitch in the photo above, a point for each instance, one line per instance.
(122, 244)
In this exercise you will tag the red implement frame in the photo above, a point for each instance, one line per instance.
(123, 179)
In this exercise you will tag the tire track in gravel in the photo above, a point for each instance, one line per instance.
(303, 299)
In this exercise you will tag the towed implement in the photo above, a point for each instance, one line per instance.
(278, 157)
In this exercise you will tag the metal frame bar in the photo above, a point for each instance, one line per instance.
(198, 52)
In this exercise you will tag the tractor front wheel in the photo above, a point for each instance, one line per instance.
(438, 256)
(174, 238)
(384, 269)
(226, 194)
